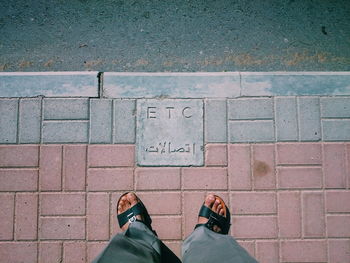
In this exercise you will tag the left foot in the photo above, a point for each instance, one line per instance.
(126, 202)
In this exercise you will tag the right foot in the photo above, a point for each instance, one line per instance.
(215, 205)
(126, 202)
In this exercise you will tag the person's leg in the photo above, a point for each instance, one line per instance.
(209, 246)
(138, 242)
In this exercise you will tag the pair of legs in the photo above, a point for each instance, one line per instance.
(138, 242)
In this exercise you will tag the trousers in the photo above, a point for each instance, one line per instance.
(138, 244)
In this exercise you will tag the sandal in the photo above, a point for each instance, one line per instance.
(130, 214)
(224, 222)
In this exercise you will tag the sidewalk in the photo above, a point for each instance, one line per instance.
(275, 146)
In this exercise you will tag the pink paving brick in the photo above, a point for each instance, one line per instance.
(98, 216)
(304, 251)
(18, 252)
(313, 214)
(254, 227)
(249, 246)
(74, 167)
(50, 167)
(168, 227)
(114, 226)
(167, 203)
(289, 214)
(246, 203)
(19, 156)
(264, 166)
(338, 225)
(239, 169)
(299, 177)
(174, 246)
(157, 178)
(205, 178)
(26, 216)
(192, 203)
(267, 251)
(62, 228)
(50, 252)
(216, 155)
(339, 250)
(74, 252)
(110, 179)
(94, 249)
(299, 153)
(111, 155)
(7, 204)
(338, 201)
(62, 203)
(334, 165)
(18, 179)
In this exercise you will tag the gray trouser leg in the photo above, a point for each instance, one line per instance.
(206, 246)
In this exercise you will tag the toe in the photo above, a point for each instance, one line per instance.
(209, 201)
(132, 199)
(215, 206)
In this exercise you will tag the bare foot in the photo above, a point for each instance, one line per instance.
(126, 202)
(215, 205)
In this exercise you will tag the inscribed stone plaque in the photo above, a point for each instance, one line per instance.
(170, 132)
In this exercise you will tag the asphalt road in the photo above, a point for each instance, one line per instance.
(193, 35)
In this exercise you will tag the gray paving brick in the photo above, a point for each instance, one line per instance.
(309, 119)
(336, 130)
(100, 121)
(251, 131)
(335, 107)
(8, 120)
(66, 109)
(124, 121)
(29, 120)
(215, 121)
(65, 131)
(250, 109)
(286, 122)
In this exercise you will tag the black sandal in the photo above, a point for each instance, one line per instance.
(130, 214)
(224, 222)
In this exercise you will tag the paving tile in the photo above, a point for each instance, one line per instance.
(309, 118)
(26, 216)
(299, 153)
(215, 121)
(50, 167)
(100, 121)
(111, 155)
(74, 252)
(66, 109)
(286, 119)
(167, 228)
(334, 165)
(49, 84)
(251, 131)
(239, 170)
(336, 130)
(263, 156)
(157, 179)
(254, 227)
(204, 178)
(191, 199)
(339, 250)
(65, 132)
(168, 203)
(18, 180)
(62, 228)
(250, 109)
(7, 204)
(289, 214)
(313, 214)
(245, 203)
(338, 225)
(267, 251)
(62, 204)
(94, 249)
(304, 251)
(332, 107)
(216, 155)
(124, 121)
(110, 179)
(98, 216)
(74, 167)
(337, 201)
(299, 177)
(249, 246)
(29, 121)
(50, 252)
(19, 156)
(8, 120)
(18, 251)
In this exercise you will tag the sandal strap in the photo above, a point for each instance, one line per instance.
(130, 215)
(216, 219)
